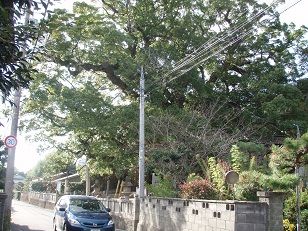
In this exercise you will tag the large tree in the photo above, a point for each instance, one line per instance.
(257, 82)
(257, 75)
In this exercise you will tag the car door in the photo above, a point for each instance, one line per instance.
(60, 212)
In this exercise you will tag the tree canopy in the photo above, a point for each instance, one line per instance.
(253, 90)
(18, 42)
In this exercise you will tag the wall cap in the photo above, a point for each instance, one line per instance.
(270, 193)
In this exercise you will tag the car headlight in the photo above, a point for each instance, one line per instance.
(110, 222)
(72, 220)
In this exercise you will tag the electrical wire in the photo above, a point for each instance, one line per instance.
(205, 48)
(219, 50)
(289, 7)
(211, 55)
(216, 39)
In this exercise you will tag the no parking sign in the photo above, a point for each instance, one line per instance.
(10, 141)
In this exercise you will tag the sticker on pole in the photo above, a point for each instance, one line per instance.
(10, 141)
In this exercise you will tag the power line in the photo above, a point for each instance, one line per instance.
(228, 34)
(208, 45)
(211, 55)
(214, 41)
(202, 52)
(289, 7)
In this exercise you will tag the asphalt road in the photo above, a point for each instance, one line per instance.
(26, 217)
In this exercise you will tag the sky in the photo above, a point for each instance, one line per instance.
(27, 155)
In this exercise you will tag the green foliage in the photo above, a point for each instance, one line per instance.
(251, 91)
(77, 188)
(245, 155)
(198, 189)
(274, 182)
(39, 186)
(239, 159)
(279, 174)
(164, 188)
(217, 176)
(204, 167)
(293, 153)
(287, 226)
(58, 162)
(104, 133)
(248, 185)
(304, 221)
(3, 160)
(52, 164)
(252, 181)
(192, 177)
(289, 210)
(253, 164)
(251, 148)
(15, 70)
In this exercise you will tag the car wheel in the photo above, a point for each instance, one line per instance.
(54, 225)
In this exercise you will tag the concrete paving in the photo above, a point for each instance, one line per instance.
(26, 217)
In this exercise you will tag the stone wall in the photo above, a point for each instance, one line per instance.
(195, 215)
(166, 214)
(43, 200)
(274, 201)
(125, 212)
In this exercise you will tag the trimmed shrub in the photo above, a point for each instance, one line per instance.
(198, 189)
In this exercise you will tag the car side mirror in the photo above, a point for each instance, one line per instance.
(61, 209)
(108, 210)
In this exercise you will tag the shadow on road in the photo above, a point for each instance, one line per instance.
(15, 227)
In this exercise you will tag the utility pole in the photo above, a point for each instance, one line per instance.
(87, 179)
(9, 182)
(9, 176)
(298, 193)
(141, 135)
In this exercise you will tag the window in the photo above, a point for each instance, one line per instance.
(86, 205)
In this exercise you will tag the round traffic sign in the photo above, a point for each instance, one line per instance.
(10, 141)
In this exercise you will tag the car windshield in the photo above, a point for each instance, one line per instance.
(80, 205)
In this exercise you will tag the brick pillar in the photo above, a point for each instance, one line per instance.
(274, 201)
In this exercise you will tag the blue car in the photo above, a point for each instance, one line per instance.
(81, 213)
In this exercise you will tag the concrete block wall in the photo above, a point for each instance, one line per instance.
(125, 212)
(167, 214)
(274, 202)
(43, 200)
(159, 214)
(251, 216)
